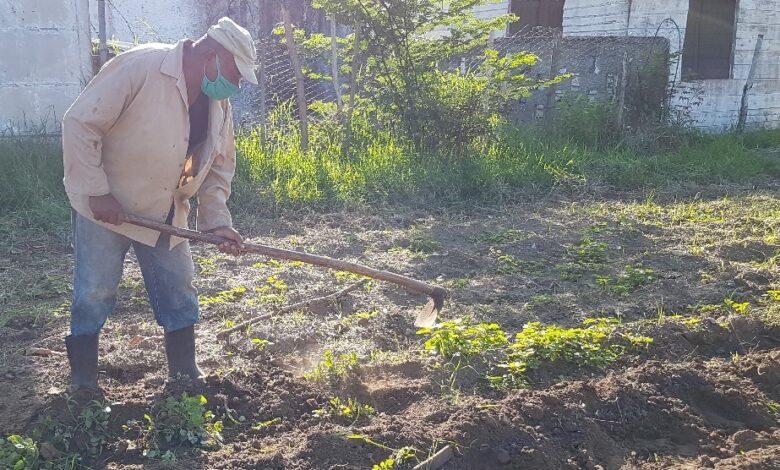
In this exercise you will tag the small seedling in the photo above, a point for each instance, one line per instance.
(508, 264)
(267, 424)
(350, 409)
(398, 458)
(737, 307)
(358, 317)
(333, 368)
(208, 266)
(227, 296)
(632, 278)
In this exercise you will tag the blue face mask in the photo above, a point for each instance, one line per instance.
(221, 88)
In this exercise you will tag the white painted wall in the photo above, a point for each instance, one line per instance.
(595, 17)
(44, 62)
(166, 21)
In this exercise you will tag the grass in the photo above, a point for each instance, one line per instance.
(381, 167)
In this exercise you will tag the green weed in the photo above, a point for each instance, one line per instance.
(632, 278)
(176, 422)
(227, 296)
(458, 339)
(508, 264)
(333, 368)
(398, 459)
(597, 344)
(505, 236)
(83, 429)
(350, 409)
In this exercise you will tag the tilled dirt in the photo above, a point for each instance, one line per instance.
(702, 395)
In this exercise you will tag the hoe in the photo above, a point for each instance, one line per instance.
(425, 318)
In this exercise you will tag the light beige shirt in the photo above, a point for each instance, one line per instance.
(127, 134)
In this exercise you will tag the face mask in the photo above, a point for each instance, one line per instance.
(220, 89)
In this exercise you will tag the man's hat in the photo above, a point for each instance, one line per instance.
(238, 42)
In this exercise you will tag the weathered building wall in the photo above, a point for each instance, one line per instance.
(168, 21)
(595, 17)
(45, 62)
(718, 101)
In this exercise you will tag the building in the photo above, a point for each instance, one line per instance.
(713, 45)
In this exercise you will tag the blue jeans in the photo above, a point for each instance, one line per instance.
(99, 257)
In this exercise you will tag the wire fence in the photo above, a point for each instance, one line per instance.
(630, 73)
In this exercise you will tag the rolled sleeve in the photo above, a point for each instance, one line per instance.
(215, 190)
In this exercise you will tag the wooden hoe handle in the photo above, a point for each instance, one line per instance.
(436, 293)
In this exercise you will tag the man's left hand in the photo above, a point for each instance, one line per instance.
(233, 247)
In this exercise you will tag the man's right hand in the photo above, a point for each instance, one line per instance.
(106, 209)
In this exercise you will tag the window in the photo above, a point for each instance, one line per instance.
(537, 13)
(709, 39)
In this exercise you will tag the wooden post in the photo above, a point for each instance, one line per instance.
(334, 49)
(103, 48)
(353, 79)
(621, 111)
(300, 89)
(554, 57)
(743, 108)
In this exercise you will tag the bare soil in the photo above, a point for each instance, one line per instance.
(704, 394)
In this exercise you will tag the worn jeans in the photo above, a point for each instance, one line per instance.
(99, 258)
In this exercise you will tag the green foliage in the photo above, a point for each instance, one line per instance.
(333, 368)
(585, 256)
(176, 422)
(350, 409)
(19, 453)
(398, 458)
(460, 339)
(227, 296)
(585, 121)
(82, 430)
(505, 236)
(632, 278)
(597, 344)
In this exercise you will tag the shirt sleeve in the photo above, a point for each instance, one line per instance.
(215, 189)
(87, 121)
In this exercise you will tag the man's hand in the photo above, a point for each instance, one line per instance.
(106, 209)
(236, 243)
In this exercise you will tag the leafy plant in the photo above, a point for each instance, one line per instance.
(737, 307)
(350, 409)
(597, 344)
(19, 453)
(398, 458)
(176, 422)
(585, 256)
(460, 339)
(83, 430)
(333, 368)
(629, 280)
(226, 296)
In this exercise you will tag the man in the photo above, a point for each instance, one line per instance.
(151, 130)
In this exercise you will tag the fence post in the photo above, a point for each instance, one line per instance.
(103, 48)
(334, 50)
(621, 111)
(743, 107)
(353, 78)
(300, 90)
(554, 58)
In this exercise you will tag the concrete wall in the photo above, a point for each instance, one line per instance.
(167, 21)
(45, 62)
(595, 17)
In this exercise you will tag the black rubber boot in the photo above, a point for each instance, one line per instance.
(83, 358)
(180, 349)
